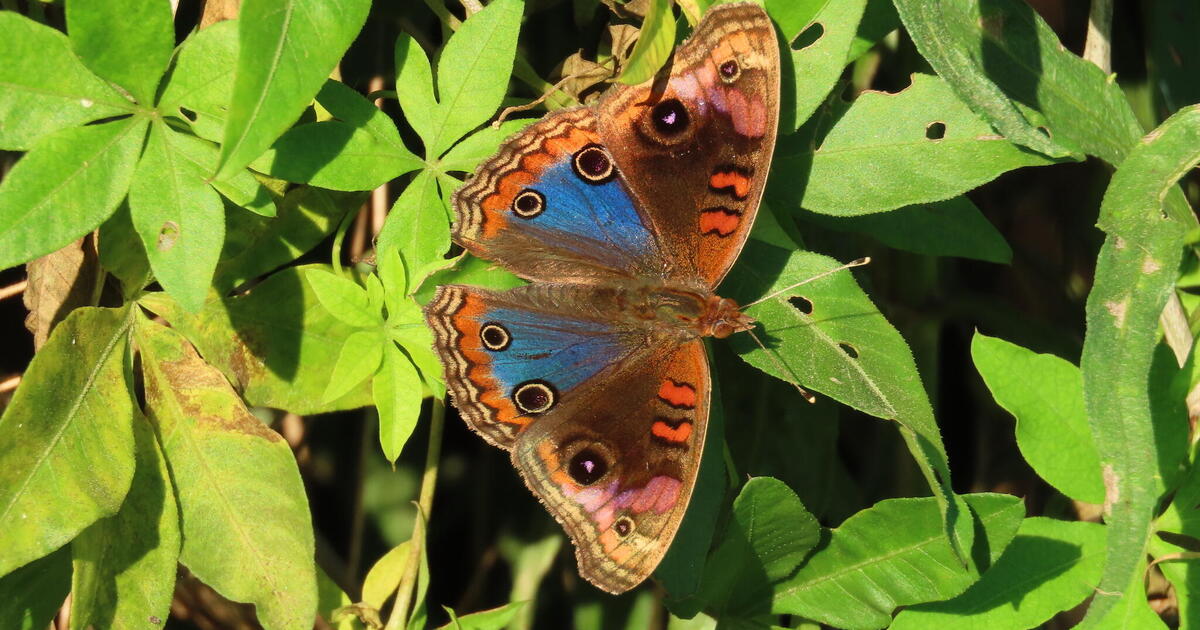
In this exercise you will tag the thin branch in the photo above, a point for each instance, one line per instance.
(13, 289)
(1098, 48)
(472, 7)
(10, 383)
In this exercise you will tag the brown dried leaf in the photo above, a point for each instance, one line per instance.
(59, 283)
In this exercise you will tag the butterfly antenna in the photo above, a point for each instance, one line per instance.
(785, 367)
(854, 263)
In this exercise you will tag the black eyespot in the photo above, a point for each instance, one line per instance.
(494, 337)
(623, 526)
(669, 117)
(534, 396)
(593, 165)
(529, 203)
(730, 71)
(587, 467)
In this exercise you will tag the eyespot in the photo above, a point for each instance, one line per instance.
(623, 526)
(587, 467)
(669, 117)
(729, 71)
(529, 203)
(534, 396)
(494, 337)
(593, 164)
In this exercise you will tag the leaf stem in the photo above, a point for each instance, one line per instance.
(408, 582)
(340, 236)
(1098, 47)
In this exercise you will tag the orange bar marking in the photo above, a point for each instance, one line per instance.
(680, 395)
(733, 180)
(719, 221)
(677, 434)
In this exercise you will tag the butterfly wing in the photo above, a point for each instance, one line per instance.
(696, 146)
(504, 352)
(552, 205)
(617, 467)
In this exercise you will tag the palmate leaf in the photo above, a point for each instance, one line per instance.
(418, 228)
(893, 554)
(45, 87)
(360, 149)
(286, 50)
(239, 490)
(66, 439)
(179, 217)
(275, 343)
(201, 80)
(125, 564)
(396, 390)
(65, 187)
(128, 42)
(1135, 274)
(834, 340)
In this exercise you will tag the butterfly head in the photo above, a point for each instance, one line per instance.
(723, 317)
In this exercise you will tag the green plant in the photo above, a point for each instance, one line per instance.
(213, 184)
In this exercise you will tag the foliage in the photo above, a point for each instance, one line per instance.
(213, 184)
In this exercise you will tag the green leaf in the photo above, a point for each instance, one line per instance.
(66, 440)
(343, 298)
(946, 35)
(390, 271)
(473, 72)
(254, 245)
(1049, 567)
(45, 87)
(654, 44)
(275, 343)
(397, 392)
(815, 68)
(1008, 64)
(919, 145)
(125, 564)
(65, 187)
(180, 219)
(492, 619)
(32, 595)
(530, 563)
(409, 330)
(358, 360)
(240, 493)
(241, 188)
(1045, 394)
(287, 49)
(889, 555)
(768, 536)
(128, 42)
(418, 228)
(361, 150)
(1133, 612)
(414, 87)
(1135, 272)
(954, 227)
(122, 254)
(479, 146)
(201, 81)
(879, 19)
(330, 599)
(384, 576)
(834, 340)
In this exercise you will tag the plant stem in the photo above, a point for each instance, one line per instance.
(408, 582)
(472, 7)
(1098, 48)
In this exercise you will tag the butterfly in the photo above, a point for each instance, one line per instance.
(625, 216)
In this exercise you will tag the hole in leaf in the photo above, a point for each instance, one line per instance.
(808, 36)
(935, 130)
(167, 235)
(802, 304)
(188, 114)
(1045, 131)
(850, 350)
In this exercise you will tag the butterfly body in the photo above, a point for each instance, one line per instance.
(624, 216)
